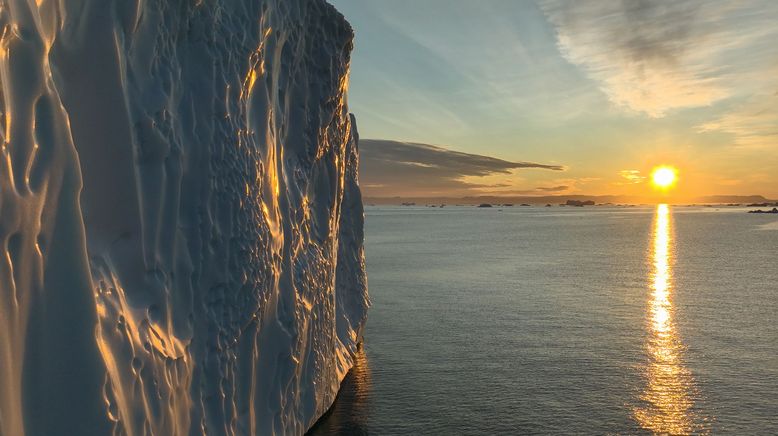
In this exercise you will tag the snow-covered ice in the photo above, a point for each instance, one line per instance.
(181, 217)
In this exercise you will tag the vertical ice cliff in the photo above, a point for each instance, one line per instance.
(180, 216)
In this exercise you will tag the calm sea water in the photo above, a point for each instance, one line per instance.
(566, 320)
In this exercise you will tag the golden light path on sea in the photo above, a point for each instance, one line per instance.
(668, 397)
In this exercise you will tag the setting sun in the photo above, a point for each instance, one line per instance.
(664, 177)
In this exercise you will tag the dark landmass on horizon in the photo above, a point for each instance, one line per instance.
(561, 199)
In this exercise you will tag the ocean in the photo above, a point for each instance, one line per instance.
(597, 320)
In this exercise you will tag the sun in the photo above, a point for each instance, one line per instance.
(664, 177)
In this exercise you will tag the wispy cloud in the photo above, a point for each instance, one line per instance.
(560, 188)
(539, 191)
(754, 124)
(632, 177)
(657, 56)
(390, 168)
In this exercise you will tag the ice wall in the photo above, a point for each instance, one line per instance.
(180, 214)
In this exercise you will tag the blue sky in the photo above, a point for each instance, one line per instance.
(606, 89)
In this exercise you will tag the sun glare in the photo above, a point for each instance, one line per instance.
(664, 177)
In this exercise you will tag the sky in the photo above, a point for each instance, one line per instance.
(525, 97)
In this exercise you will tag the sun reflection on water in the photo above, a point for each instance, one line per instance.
(668, 397)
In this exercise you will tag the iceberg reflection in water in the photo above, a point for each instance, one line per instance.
(668, 398)
(350, 412)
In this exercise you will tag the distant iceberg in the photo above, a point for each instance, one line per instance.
(181, 216)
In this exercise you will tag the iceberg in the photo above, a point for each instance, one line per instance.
(181, 216)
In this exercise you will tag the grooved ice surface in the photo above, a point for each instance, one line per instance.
(209, 277)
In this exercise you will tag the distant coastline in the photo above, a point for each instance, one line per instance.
(730, 200)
